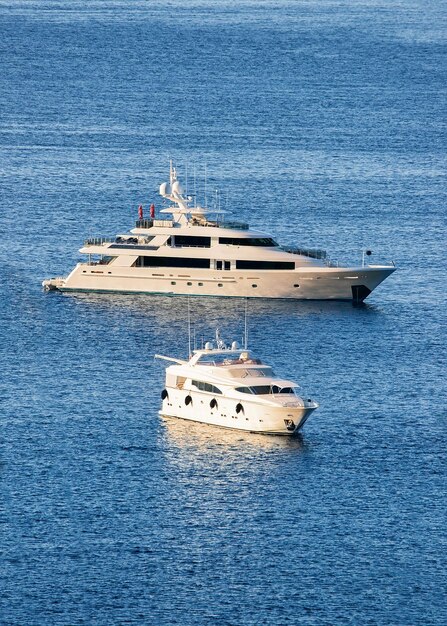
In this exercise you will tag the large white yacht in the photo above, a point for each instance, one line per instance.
(229, 387)
(192, 253)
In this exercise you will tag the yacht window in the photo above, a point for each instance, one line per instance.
(168, 261)
(244, 389)
(261, 390)
(186, 241)
(265, 265)
(205, 386)
(264, 390)
(287, 390)
(218, 265)
(105, 260)
(265, 242)
(252, 372)
(227, 265)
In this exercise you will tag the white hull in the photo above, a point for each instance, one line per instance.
(256, 417)
(322, 283)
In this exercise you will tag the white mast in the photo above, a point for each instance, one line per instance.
(189, 331)
(246, 326)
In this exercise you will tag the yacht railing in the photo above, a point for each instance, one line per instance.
(98, 241)
(313, 253)
(151, 223)
(234, 225)
(144, 223)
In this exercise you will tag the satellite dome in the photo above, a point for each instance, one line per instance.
(208, 345)
(235, 345)
(164, 189)
(177, 188)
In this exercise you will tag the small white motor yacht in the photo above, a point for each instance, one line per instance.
(231, 388)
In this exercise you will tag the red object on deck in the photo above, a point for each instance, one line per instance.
(140, 212)
(152, 210)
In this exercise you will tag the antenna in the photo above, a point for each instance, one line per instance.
(206, 200)
(246, 326)
(186, 182)
(189, 331)
(194, 173)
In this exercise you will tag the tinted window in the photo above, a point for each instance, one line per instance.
(266, 242)
(265, 265)
(243, 389)
(165, 261)
(205, 386)
(192, 242)
(261, 390)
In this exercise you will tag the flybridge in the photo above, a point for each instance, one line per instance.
(194, 222)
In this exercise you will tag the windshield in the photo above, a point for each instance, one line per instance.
(264, 390)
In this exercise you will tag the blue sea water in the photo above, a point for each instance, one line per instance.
(322, 122)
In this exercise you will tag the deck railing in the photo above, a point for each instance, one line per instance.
(313, 253)
(234, 225)
(98, 241)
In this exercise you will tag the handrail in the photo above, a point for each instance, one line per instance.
(314, 253)
(98, 241)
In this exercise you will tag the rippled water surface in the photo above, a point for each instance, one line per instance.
(321, 122)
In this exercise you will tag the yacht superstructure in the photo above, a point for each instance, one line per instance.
(229, 387)
(190, 254)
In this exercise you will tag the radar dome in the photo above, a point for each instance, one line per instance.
(208, 345)
(177, 188)
(235, 345)
(164, 189)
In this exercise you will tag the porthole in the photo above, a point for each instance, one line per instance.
(188, 283)
(173, 282)
(219, 284)
(200, 284)
(296, 285)
(254, 286)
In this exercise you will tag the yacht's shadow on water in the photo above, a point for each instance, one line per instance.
(195, 436)
(175, 308)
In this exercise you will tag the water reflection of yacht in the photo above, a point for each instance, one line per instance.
(231, 388)
(192, 254)
(199, 438)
